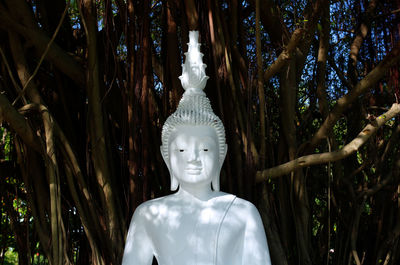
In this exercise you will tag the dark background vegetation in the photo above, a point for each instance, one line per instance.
(308, 91)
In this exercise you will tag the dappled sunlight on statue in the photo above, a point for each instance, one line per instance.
(198, 224)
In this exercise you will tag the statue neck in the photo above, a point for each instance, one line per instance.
(201, 192)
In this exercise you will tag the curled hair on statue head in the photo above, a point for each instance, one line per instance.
(184, 115)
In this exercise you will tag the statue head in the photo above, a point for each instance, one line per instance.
(193, 137)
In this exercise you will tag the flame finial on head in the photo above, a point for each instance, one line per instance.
(193, 78)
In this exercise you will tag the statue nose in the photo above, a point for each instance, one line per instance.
(193, 155)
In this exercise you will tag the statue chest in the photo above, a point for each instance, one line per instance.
(199, 233)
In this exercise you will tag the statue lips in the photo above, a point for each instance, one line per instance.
(193, 170)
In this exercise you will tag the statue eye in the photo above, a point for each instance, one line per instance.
(205, 150)
(181, 150)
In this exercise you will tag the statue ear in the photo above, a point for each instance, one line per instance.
(222, 157)
(174, 181)
(215, 182)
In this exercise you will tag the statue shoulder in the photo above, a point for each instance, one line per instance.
(245, 209)
(151, 208)
(242, 203)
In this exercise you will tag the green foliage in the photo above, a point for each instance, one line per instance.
(73, 13)
(11, 257)
(21, 208)
(340, 132)
(6, 235)
(6, 144)
(319, 211)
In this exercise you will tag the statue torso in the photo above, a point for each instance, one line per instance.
(185, 231)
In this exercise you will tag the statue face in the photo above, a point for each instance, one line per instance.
(194, 155)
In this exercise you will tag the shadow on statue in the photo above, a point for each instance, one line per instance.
(198, 224)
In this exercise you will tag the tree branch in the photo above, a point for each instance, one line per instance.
(273, 23)
(362, 31)
(39, 39)
(347, 150)
(17, 87)
(300, 37)
(285, 55)
(89, 214)
(21, 93)
(312, 14)
(339, 73)
(18, 123)
(321, 62)
(342, 104)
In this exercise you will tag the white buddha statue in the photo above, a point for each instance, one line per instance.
(197, 225)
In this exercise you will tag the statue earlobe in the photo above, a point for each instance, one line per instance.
(215, 183)
(174, 181)
(216, 180)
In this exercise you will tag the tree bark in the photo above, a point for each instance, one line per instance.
(97, 134)
(191, 14)
(260, 87)
(21, 126)
(323, 49)
(172, 63)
